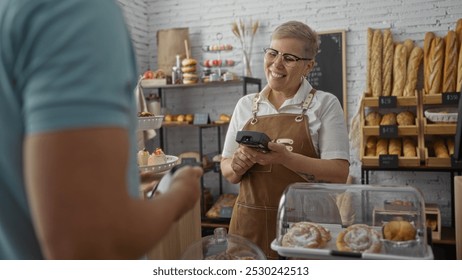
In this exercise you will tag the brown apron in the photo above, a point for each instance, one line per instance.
(255, 212)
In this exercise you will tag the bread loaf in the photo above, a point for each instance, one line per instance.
(435, 74)
(370, 36)
(414, 62)
(387, 62)
(382, 146)
(388, 119)
(429, 36)
(376, 63)
(409, 147)
(459, 31)
(373, 118)
(450, 144)
(405, 118)
(459, 69)
(440, 149)
(371, 146)
(394, 146)
(409, 44)
(399, 70)
(450, 63)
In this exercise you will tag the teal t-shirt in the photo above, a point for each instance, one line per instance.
(63, 64)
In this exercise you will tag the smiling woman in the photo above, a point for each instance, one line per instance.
(307, 128)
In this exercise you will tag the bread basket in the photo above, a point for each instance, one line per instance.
(442, 115)
(154, 122)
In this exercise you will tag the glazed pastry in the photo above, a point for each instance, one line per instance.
(158, 157)
(359, 238)
(382, 147)
(306, 235)
(388, 119)
(373, 118)
(399, 231)
(409, 147)
(394, 146)
(405, 118)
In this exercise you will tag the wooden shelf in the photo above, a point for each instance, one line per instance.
(448, 236)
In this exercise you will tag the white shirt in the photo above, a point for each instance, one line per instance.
(326, 120)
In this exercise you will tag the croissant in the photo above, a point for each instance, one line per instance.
(399, 231)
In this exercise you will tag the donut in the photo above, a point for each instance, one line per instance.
(306, 235)
(359, 238)
(399, 231)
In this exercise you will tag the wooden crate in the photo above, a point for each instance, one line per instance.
(438, 128)
(433, 220)
(436, 162)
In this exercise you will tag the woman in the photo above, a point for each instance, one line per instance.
(307, 126)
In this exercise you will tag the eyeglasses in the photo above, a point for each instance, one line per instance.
(289, 60)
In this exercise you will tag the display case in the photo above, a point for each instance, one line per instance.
(338, 221)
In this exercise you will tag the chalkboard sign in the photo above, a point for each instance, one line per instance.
(329, 73)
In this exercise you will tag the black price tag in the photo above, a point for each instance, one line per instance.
(201, 118)
(450, 98)
(388, 131)
(388, 161)
(387, 102)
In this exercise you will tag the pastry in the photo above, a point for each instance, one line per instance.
(399, 70)
(440, 149)
(142, 158)
(359, 238)
(450, 63)
(413, 65)
(429, 36)
(376, 63)
(405, 118)
(399, 231)
(387, 62)
(306, 235)
(158, 157)
(436, 63)
(382, 147)
(388, 119)
(373, 118)
(145, 114)
(459, 63)
(394, 146)
(409, 147)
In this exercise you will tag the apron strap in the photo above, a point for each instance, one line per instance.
(306, 104)
(255, 100)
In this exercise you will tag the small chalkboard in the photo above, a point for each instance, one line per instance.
(201, 118)
(329, 73)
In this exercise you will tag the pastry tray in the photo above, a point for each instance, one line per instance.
(330, 250)
(158, 168)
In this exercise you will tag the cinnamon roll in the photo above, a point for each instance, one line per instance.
(306, 235)
(359, 238)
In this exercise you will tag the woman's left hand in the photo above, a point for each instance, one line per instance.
(277, 155)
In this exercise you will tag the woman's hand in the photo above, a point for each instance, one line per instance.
(243, 159)
(277, 155)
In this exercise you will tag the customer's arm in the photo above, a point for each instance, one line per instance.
(76, 186)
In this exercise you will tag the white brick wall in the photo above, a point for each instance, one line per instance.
(406, 18)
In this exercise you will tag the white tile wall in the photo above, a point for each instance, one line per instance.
(406, 18)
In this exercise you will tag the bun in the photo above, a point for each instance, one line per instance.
(450, 63)
(225, 118)
(414, 62)
(399, 231)
(373, 118)
(387, 63)
(429, 36)
(359, 238)
(306, 235)
(376, 63)
(188, 62)
(405, 118)
(388, 119)
(399, 70)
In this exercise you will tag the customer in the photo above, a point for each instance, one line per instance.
(306, 121)
(68, 175)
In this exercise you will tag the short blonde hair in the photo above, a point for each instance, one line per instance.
(301, 31)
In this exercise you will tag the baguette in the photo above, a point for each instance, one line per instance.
(459, 31)
(376, 63)
(415, 60)
(382, 146)
(429, 36)
(459, 71)
(450, 63)
(399, 70)
(387, 63)
(394, 146)
(370, 36)
(435, 74)
(409, 147)
(409, 44)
